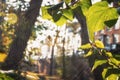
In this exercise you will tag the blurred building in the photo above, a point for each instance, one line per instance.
(110, 37)
(2, 0)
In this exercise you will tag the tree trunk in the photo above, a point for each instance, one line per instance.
(85, 39)
(23, 32)
(51, 73)
(82, 20)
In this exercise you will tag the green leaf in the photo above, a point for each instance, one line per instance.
(114, 61)
(98, 63)
(45, 13)
(57, 16)
(111, 23)
(61, 21)
(8, 78)
(97, 15)
(68, 13)
(55, 9)
(104, 73)
(85, 5)
(5, 77)
(110, 73)
(86, 46)
(89, 53)
(113, 77)
(108, 54)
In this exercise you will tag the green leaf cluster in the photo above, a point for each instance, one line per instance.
(5, 77)
(111, 65)
(100, 15)
(92, 46)
(103, 58)
(60, 15)
(57, 15)
(111, 74)
(82, 5)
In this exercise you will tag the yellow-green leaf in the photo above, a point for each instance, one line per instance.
(114, 61)
(98, 63)
(89, 53)
(104, 73)
(61, 21)
(45, 13)
(68, 13)
(86, 46)
(109, 54)
(97, 15)
(112, 77)
(99, 44)
(85, 5)
(110, 74)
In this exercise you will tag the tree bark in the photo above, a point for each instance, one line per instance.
(85, 39)
(23, 32)
(82, 20)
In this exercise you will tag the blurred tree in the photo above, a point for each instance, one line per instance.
(23, 31)
(79, 14)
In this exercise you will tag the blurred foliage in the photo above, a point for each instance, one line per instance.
(2, 57)
(57, 15)
(11, 18)
(5, 77)
(110, 62)
(7, 22)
